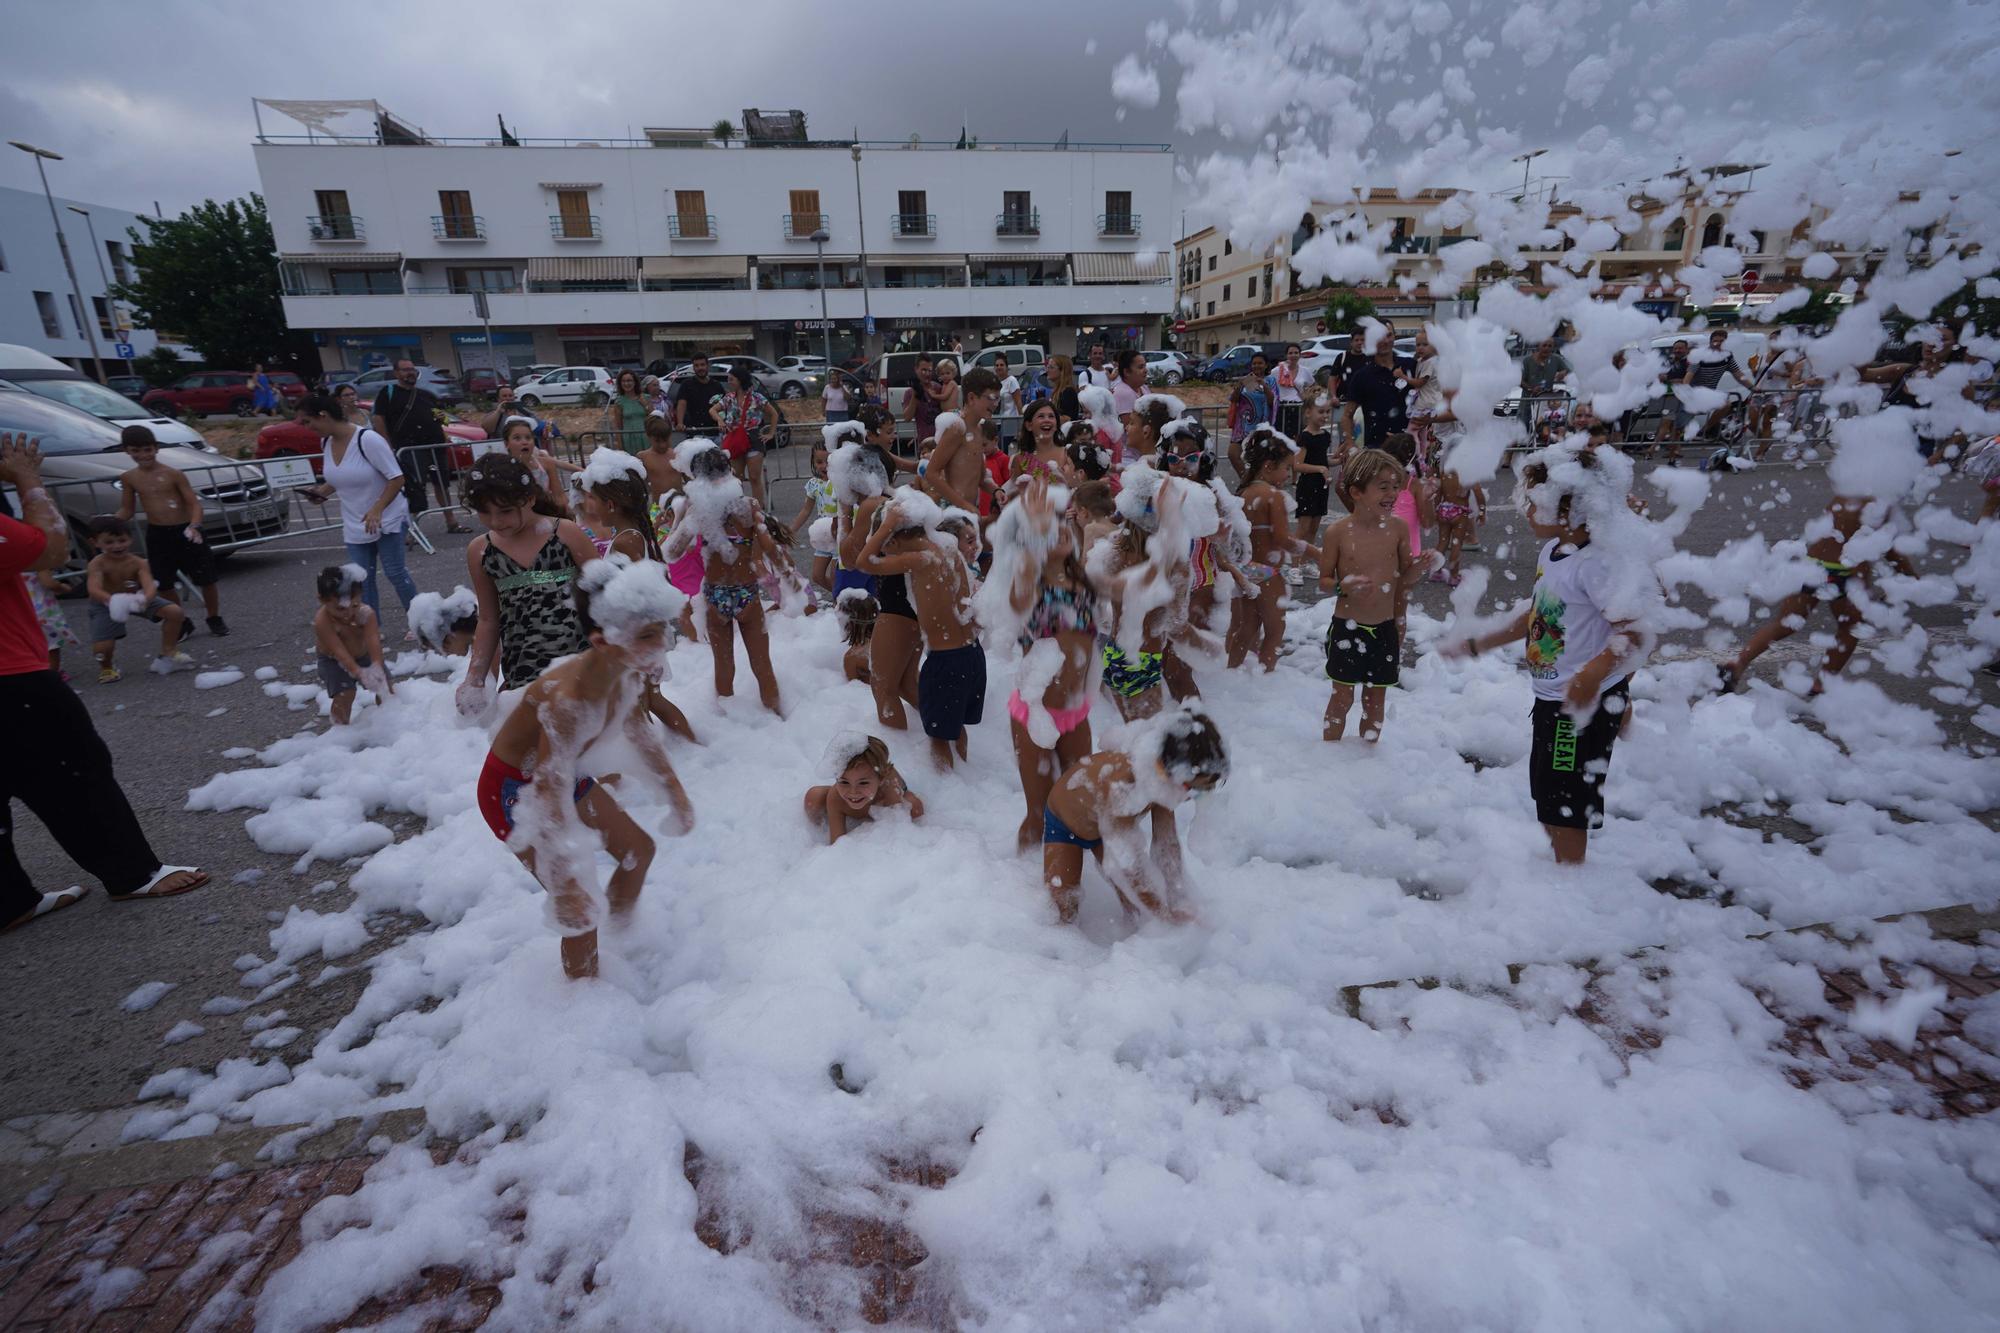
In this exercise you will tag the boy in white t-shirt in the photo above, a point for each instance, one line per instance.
(1584, 639)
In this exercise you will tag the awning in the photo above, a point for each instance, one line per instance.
(342, 257)
(916, 261)
(684, 332)
(1115, 267)
(593, 268)
(1018, 258)
(572, 185)
(692, 266)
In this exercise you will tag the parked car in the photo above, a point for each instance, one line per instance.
(588, 386)
(34, 372)
(130, 385)
(81, 464)
(526, 373)
(1234, 363)
(804, 365)
(442, 384)
(481, 382)
(292, 439)
(1170, 366)
(897, 371)
(1024, 359)
(772, 381)
(213, 392)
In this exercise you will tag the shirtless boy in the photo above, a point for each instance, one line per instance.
(951, 684)
(173, 523)
(957, 466)
(348, 639)
(121, 586)
(1365, 563)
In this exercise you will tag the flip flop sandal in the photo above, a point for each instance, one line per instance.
(51, 902)
(151, 888)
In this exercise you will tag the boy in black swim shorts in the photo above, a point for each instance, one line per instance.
(174, 544)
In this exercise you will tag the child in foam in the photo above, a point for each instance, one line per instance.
(547, 471)
(613, 503)
(1257, 624)
(348, 638)
(860, 474)
(537, 791)
(951, 684)
(857, 612)
(864, 781)
(121, 586)
(1587, 630)
(818, 509)
(1142, 574)
(445, 622)
(174, 544)
(1041, 597)
(522, 571)
(1098, 803)
(731, 527)
(1365, 564)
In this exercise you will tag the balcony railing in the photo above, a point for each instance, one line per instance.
(656, 284)
(801, 226)
(1019, 224)
(336, 227)
(1117, 224)
(575, 227)
(691, 226)
(458, 227)
(913, 225)
(446, 289)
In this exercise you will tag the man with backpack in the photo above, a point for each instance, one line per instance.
(407, 417)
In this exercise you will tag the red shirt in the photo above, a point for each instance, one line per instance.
(997, 467)
(23, 646)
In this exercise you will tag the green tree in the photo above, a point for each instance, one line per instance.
(160, 367)
(724, 130)
(1346, 308)
(211, 276)
(1980, 313)
(1820, 309)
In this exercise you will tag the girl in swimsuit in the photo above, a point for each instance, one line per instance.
(522, 570)
(732, 530)
(895, 647)
(1038, 451)
(614, 508)
(1052, 609)
(542, 467)
(1259, 624)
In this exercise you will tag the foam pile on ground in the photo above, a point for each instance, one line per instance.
(1167, 1127)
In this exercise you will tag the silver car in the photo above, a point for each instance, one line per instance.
(82, 461)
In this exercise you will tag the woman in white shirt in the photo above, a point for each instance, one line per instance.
(835, 397)
(359, 467)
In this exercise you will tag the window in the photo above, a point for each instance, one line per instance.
(1250, 288)
(1211, 310)
(364, 281)
(1211, 261)
(1225, 291)
(573, 210)
(45, 306)
(1711, 231)
(121, 271)
(1676, 236)
(691, 214)
(1267, 284)
(103, 311)
(1118, 212)
(455, 210)
(1017, 214)
(911, 213)
(335, 221)
(481, 280)
(804, 218)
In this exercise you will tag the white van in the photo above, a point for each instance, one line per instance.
(34, 372)
(1022, 358)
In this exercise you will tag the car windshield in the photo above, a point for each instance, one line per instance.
(56, 429)
(87, 396)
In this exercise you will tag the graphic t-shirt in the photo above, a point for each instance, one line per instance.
(1567, 627)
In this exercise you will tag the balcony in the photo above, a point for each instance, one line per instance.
(575, 227)
(336, 227)
(691, 226)
(1019, 224)
(458, 227)
(913, 226)
(801, 226)
(1117, 224)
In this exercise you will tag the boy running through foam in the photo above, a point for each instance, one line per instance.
(174, 543)
(1365, 563)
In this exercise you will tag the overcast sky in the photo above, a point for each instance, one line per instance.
(154, 105)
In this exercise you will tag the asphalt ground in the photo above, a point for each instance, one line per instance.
(65, 1042)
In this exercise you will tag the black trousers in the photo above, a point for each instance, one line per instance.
(60, 768)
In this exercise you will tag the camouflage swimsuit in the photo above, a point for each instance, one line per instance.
(538, 621)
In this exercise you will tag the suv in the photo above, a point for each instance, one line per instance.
(81, 464)
(1235, 362)
(213, 392)
(441, 384)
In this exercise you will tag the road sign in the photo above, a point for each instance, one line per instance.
(1180, 326)
(1750, 280)
(868, 326)
(123, 351)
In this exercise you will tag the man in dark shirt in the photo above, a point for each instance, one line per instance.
(1380, 389)
(694, 406)
(406, 416)
(1673, 417)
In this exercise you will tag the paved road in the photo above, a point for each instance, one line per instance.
(66, 1044)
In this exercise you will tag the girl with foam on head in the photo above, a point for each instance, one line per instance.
(614, 505)
(864, 782)
(1142, 576)
(860, 472)
(537, 791)
(731, 527)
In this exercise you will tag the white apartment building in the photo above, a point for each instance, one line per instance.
(620, 252)
(38, 308)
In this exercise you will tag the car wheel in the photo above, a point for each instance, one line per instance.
(532, 403)
(240, 406)
(792, 390)
(1173, 377)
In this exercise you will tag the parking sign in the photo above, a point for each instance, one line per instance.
(123, 351)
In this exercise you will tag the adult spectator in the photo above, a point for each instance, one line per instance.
(1379, 389)
(835, 399)
(61, 769)
(1285, 383)
(749, 423)
(694, 405)
(359, 467)
(407, 417)
(1062, 387)
(1542, 373)
(1250, 406)
(1010, 386)
(263, 396)
(922, 408)
(1129, 382)
(505, 407)
(1705, 371)
(1673, 416)
(1096, 372)
(625, 414)
(350, 405)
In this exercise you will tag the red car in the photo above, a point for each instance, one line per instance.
(213, 392)
(289, 439)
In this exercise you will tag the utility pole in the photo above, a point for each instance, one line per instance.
(1525, 159)
(861, 221)
(819, 239)
(110, 306)
(62, 241)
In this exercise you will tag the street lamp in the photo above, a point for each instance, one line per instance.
(62, 242)
(110, 308)
(861, 222)
(819, 240)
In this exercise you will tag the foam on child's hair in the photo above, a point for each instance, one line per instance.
(606, 464)
(842, 751)
(1097, 404)
(628, 595)
(856, 473)
(433, 614)
(836, 433)
(1175, 407)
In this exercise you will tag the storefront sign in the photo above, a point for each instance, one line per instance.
(501, 338)
(365, 340)
(597, 330)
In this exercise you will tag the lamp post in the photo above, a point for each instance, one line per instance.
(861, 222)
(110, 307)
(62, 242)
(819, 239)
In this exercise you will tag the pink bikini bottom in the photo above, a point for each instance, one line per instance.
(1066, 719)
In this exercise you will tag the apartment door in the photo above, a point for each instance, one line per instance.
(805, 212)
(336, 222)
(691, 213)
(455, 208)
(573, 207)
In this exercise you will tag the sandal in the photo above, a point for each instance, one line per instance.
(51, 902)
(152, 888)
